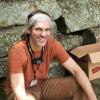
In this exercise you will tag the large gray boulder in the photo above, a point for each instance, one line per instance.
(15, 13)
(77, 14)
(80, 14)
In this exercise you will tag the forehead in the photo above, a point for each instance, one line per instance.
(43, 24)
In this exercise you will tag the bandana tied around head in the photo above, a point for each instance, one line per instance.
(38, 18)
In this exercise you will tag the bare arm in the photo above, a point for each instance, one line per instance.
(18, 87)
(81, 77)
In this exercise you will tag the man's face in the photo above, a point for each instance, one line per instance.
(40, 33)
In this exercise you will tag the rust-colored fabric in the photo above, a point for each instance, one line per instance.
(19, 61)
(55, 89)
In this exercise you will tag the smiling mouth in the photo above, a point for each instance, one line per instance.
(42, 39)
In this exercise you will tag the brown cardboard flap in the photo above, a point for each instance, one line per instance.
(95, 57)
(84, 50)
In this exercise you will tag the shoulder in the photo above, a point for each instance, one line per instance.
(18, 47)
(18, 51)
(53, 42)
(54, 46)
(19, 44)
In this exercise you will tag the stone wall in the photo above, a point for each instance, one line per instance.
(71, 22)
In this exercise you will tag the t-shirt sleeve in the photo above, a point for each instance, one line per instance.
(60, 53)
(14, 61)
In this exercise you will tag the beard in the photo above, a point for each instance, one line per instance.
(41, 41)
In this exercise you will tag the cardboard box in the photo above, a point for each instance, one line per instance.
(88, 57)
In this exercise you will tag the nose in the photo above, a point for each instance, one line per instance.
(43, 33)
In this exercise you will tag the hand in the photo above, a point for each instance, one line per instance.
(27, 97)
(30, 97)
(93, 97)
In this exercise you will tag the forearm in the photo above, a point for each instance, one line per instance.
(18, 87)
(20, 93)
(28, 96)
(81, 77)
(85, 84)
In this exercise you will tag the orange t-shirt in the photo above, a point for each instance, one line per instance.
(19, 61)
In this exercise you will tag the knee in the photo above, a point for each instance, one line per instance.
(71, 85)
(79, 94)
(72, 82)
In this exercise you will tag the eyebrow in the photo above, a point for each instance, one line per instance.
(42, 29)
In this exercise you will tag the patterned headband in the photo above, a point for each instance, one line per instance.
(38, 18)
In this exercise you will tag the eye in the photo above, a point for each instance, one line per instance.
(48, 29)
(38, 29)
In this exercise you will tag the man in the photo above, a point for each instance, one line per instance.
(28, 63)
